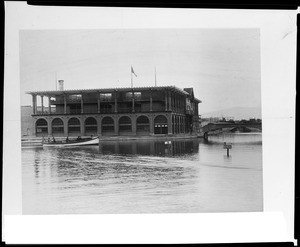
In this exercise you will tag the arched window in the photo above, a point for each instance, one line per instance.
(125, 124)
(74, 126)
(160, 125)
(90, 126)
(142, 125)
(41, 126)
(57, 126)
(107, 125)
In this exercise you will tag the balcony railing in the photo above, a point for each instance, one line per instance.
(60, 111)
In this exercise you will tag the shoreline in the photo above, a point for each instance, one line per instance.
(33, 141)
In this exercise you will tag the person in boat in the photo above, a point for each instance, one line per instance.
(78, 138)
(67, 139)
(49, 140)
(53, 139)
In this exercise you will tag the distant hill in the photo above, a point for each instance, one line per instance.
(236, 112)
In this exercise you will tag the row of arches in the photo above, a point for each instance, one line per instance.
(90, 126)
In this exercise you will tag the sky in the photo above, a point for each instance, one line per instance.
(222, 65)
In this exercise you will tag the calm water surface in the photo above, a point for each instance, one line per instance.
(188, 176)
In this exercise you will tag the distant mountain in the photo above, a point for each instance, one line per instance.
(236, 112)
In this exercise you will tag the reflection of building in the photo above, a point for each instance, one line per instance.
(119, 111)
(155, 148)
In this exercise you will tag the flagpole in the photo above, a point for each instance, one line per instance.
(155, 76)
(131, 76)
(56, 80)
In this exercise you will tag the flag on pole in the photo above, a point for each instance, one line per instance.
(132, 71)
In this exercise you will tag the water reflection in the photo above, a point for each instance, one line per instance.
(183, 176)
(155, 148)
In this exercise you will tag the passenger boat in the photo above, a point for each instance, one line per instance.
(74, 142)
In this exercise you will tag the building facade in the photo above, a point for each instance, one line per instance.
(117, 111)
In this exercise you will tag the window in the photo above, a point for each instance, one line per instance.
(57, 126)
(137, 95)
(107, 124)
(128, 95)
(105, 96)
(125, 124)
(75, 97)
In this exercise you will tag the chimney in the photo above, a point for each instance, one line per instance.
(60, 85)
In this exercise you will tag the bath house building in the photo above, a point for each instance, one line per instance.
(164, 110)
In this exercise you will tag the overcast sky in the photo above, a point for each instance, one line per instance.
(222, 65)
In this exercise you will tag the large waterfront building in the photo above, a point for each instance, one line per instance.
(165, 110)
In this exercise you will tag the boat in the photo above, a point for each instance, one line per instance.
(75, 142)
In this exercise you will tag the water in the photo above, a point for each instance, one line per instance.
(188, 176)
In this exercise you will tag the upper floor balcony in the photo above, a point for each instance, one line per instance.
(103, 110)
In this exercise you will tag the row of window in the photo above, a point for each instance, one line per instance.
(107, 96)
(107, 124)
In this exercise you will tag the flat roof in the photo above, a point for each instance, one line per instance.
(106, 90)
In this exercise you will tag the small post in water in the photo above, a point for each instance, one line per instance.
(227, 146)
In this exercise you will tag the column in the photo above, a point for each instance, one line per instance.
(169, 99)
(49, 108)
(166, 101)
(81, 102)
(175, 103)
(116, 102)
(173, 125)
(82, 132)
(180, 110)
(65, 126)
(133, 124)
(42, 103)
(34, 104)
(132, 101)
(99, 126)
(181, 127)
(98, 103)
(151, 122)
(65, 104)
(150, 100)
(33, 126)
(49, 127)
(169, 124)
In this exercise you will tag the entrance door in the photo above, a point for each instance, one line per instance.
(160, 125)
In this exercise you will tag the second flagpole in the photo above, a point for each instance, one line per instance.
(131, 76)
